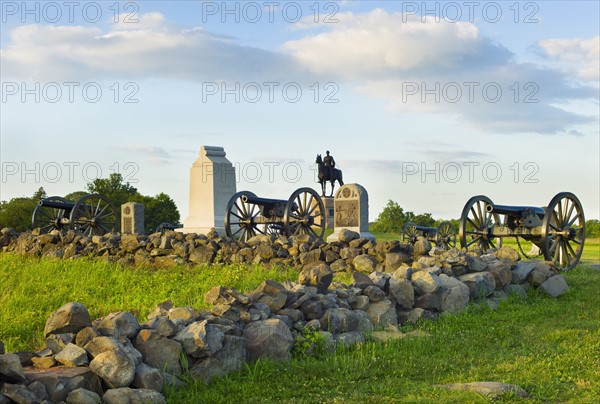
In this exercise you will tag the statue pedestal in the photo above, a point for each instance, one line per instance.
(212, 184)
(329, 212)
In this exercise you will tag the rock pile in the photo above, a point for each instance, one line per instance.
(118, 359)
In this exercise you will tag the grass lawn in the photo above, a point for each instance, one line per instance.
(550, 347)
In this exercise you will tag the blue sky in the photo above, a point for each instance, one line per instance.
(416, 104)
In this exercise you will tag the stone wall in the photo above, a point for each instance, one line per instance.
(121, 359)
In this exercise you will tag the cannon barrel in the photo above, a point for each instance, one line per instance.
(513, 210)
(261, 201)
(57, 205)
(425, 228)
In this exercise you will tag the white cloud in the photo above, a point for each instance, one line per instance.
(152, 48)
(441, 67)
(582, 54)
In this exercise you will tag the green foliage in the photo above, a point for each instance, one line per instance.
(393, 218)
(17, 212)
(158, 209)
(113, 188)
(310, 342)
(592, 228)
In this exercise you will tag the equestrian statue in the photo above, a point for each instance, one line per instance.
(328, 172)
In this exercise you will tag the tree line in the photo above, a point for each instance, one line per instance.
(160, 208)
(393, 218)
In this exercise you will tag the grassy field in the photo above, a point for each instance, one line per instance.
(550, 347)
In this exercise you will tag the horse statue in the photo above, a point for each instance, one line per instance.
(324, 175)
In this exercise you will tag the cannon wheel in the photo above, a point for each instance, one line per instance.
(409, 232)
(47, 218)
(93, 215)
(563, 231)
(305, 214)
(239, 217)
(476, 224)
(446, 236)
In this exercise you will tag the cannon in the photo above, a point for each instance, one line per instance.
(444, 236)
(91, 215)
(558, 229)
(166, 226)
(247, 215)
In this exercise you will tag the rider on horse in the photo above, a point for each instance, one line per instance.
(329, 163)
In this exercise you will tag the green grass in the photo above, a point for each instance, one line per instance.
(32, 288)
(550, 347)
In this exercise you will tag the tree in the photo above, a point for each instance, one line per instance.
(391, 219)
(158, 209)
(113, 188)
(592, 228)
(17, 213)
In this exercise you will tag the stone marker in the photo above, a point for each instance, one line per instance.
(212, 184)
(132, 218)
(351, 208)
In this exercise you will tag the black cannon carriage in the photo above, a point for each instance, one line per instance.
(558, 229)
(443, 236)
(91, 215)
(248, 215)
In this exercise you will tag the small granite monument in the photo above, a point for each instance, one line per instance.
(212, 184)
(132, 218)
(351, 211)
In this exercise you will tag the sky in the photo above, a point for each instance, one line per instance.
(422, 103)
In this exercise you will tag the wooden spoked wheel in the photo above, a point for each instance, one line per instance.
(563, 231)
(477, 225)
(93, 215)
(305, 214)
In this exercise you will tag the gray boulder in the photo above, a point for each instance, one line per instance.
(501, 272)
(402, 291)
(508, 253)
(337, 321)
(348, 235)
(382, 313)
(11, 369)
(222, 295)
(147, 377)
(126, 395)
(72, 356)
(229, 359)
(159, 352)
(374, 293)
(555, 286)
(319, 276)
(69, 318)
(425, 282)
(19, 394)
(120, 324)
(491, 390)
(268, 339)
(421, 247)
(82, 396)
(114, 367)
(540, 274)
(521, 271)
(364, 264)
(455, 295)
(200, 339)
(481, 284)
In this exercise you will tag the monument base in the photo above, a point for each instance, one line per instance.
(329, 212)
(335, 236)
(201, 230)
